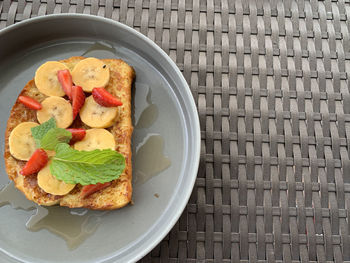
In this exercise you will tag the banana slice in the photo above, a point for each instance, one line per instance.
(46, 78)
(96, 139)
(50, 184)
(56, 107)
(97, 116)
(21, 141)
(90, 73)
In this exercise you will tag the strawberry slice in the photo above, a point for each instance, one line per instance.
(78, 99)
(29, 102)
(35, 163)
(65, 78)
(77, 135)
(104, 98)
(92, 188)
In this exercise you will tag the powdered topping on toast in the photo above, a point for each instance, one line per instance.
(80, 158)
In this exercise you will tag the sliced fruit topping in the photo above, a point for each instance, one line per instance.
(97, 116)
(65, 79)
(46, 78)
(29, 102)
(58, 108)
(36, 162)
(77, 135)
(50, 184)
(78, 99)
(96, 139)
(21, 141)
(90, 73)
(104, 98)
(92, 188)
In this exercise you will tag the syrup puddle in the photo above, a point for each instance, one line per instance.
(9, 195)
(149, 159)
(100, 50)
(146, 113)
(82, 222)
(76, 225)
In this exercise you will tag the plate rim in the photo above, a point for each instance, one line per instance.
(194, 127)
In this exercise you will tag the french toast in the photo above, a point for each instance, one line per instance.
(119, 192)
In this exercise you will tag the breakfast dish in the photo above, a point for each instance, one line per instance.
(68, 137)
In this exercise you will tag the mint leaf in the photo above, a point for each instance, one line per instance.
(86, 167)
(38, 132)
(54, 137)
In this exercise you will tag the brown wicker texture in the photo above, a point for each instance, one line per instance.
(271, 85)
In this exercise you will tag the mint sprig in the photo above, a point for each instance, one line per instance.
(39, 132)
(47, 135)
(86, 167)
(55, 136)
(73, 166)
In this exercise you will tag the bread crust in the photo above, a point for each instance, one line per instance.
(120, 192)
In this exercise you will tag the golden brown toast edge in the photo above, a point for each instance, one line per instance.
(120, 192)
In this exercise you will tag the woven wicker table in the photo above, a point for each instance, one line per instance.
(271, 86)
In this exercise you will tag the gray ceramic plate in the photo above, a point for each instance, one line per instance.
(166, 144)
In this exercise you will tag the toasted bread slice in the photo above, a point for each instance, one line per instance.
(119, 193)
